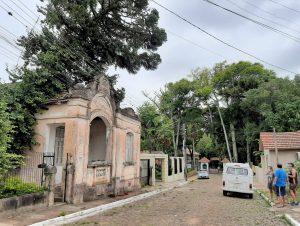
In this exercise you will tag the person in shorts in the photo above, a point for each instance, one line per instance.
(293, 182)
(271, 176)
(280, 184)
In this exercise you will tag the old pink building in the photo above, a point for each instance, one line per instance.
(95, 144)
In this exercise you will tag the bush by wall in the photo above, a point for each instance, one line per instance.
(15, 186)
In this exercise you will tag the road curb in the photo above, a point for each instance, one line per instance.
(286, 216)
(102, 208)
(264, 197)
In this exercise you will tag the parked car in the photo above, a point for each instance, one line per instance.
(237, 178)
(203, 174)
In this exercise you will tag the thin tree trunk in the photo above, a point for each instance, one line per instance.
(177, 137)
(224, 129)
(248, 151)
(193, 151)
(234, 148)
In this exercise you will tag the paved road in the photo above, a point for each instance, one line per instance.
(198, 203)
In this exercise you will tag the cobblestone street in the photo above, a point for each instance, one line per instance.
(198, 203)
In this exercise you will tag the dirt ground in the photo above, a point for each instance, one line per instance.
(199, 203)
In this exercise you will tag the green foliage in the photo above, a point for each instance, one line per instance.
(297, 166)
(78, 41)
(206, 146)
(250, 98)
(8, 161)
(156, 129)
(15, 186)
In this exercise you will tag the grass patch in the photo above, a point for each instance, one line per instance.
(192, 173)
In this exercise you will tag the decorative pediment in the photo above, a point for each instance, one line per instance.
(100, 85)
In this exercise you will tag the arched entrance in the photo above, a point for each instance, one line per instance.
(98, 141)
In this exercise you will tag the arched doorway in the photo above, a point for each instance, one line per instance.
(98, 141)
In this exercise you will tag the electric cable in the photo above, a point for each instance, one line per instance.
(222, 41)
(296, 39)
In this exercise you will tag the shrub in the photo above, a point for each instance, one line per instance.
(16, 186)
(192, 173)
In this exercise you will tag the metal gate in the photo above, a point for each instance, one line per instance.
(145, 172)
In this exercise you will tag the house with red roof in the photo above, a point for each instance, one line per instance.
(288, 146)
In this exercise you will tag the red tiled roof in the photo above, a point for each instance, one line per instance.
(287, 140)
(214, 159)
(225, 160)
(204, 160)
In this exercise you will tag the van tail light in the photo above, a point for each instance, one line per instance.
(250, 186)
(223, 183)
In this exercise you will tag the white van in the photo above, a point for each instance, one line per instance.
(237, 177)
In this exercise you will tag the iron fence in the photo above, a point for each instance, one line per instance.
(23, 180)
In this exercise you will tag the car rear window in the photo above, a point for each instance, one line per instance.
(237, 171)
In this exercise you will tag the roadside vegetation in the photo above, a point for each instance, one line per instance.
(221, 111)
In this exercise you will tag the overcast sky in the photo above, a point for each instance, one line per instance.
(179, 56)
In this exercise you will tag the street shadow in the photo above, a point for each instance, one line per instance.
(238, 195)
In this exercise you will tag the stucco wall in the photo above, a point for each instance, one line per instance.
(76, 115)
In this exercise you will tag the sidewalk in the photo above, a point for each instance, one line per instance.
(293, 211)
(20, 218)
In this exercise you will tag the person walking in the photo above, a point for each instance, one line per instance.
(280, 183)
(293, 182)
(271, 177)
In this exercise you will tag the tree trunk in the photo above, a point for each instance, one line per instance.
(224, 129)
(177, 138)
(193, 160)
(234, 148)
(248, 151)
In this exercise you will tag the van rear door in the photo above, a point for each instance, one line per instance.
(238, 179)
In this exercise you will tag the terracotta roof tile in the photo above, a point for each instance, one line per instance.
(204, 160)
(286, 140)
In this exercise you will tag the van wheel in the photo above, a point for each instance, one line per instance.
(250, 196)
(225, 193)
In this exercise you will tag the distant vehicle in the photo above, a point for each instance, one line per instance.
(237, 178)
(203, 174)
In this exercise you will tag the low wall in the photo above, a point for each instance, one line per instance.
(180, 172)
(260, 175)
(24, 201)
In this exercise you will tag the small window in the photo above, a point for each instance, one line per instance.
(237, 171)
(129, 147)
(59, 144)
(180, 165)
(175, 166)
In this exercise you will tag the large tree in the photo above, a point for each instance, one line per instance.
(80, 40)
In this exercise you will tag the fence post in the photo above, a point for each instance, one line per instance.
(69, 183)
(50, 172)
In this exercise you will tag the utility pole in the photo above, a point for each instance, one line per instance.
(183, 149)
(275, 144)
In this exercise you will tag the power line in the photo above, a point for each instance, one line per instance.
(224, 42)
(9, 42)
(19, 7)
(12, 10)
(9, 13)
(272, 14)
(195, 44)
(278, 3)
(25, 6)
(9, 51)
(258, 16)
(12, 34)
(256, 22)
(3, 54)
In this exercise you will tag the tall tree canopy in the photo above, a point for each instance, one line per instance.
(226, 107)
(78, 41)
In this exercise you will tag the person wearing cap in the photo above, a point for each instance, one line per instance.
(280, 184)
